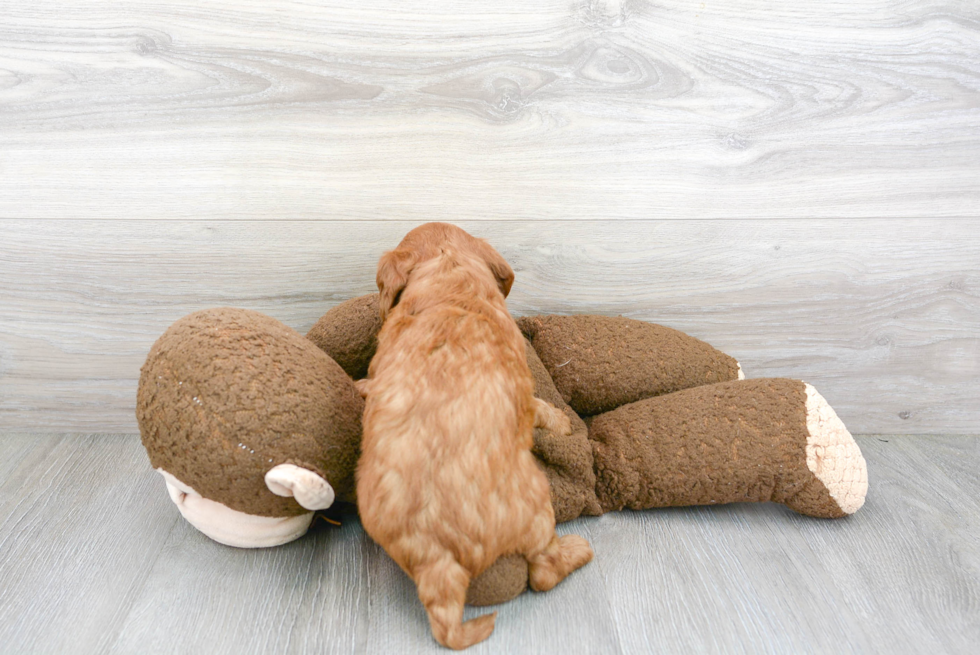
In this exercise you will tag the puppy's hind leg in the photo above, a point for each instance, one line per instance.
(553, 564)
(551, 558)
(442, 589)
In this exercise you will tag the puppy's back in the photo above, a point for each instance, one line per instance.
(448, 423)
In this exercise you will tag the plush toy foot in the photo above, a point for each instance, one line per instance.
(231, 527)
(834, 459)
(505, 580)
(765, 439)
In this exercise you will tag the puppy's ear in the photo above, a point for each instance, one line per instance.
(499, 267)
(393, 270)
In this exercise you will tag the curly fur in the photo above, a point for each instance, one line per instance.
(446, 482)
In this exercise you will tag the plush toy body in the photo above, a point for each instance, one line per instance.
(659, 419)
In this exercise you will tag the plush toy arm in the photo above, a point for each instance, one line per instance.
(753, 440)
(599, 363)
(308, 488)
(561, 445)
(349, 333)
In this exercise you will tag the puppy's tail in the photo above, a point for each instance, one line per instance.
(442, 589)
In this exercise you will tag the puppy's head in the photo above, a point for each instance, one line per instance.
(426, 242)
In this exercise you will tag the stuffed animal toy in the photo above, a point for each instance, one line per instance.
(669, 421)
(659, 419)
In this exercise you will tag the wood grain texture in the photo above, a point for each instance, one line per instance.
(504, 110)
(309, 596)
(95, 559)
(899, 576)
(883, 317)
(82, 520)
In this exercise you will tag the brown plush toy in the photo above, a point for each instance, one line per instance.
(239, 412)
(668, 421)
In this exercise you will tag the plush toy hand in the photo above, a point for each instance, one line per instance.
(349, 333)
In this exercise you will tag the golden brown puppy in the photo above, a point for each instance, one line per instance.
(446, 482)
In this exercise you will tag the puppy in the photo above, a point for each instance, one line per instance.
(446, 482)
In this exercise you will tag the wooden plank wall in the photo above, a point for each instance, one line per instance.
(798, 184)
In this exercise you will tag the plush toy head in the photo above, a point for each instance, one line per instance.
(252, 426)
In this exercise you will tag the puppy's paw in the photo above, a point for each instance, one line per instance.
(551, 418)
(362, 386)
(562, 556)
(562, 424)
(575, 550)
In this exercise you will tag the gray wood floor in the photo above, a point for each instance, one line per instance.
(94, 559)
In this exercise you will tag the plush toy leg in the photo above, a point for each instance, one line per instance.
(833, 457)
(599, 363)
(752, 440)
